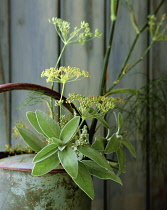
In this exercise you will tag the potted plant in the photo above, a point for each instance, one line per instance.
(70, 141)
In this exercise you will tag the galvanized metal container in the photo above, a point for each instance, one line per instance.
(53, 191)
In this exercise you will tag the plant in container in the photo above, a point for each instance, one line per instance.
(70, 141)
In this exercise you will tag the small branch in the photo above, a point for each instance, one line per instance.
(133, 46)
(107, 54)
(106, 61)
(38, 88)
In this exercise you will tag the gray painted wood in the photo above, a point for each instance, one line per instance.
(4, 74)
(34, 47)
(132, 194)
(158, 144)
(85, 57)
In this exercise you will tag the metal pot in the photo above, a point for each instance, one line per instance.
(53, 191)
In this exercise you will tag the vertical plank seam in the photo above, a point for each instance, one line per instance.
(105, 189)
(4, 97)
(59, 13)
(10, 72)
(148, 204)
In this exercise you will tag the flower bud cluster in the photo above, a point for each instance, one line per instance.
(62, 27)
(101, 103)
(80, 34)
(83, 139)
(158, 29)
(64, 74)
(63, 121)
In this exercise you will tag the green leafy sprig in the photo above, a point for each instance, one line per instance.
(68, 145)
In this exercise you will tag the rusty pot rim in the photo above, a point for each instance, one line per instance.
(23, 163)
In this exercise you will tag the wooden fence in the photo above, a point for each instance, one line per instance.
(28, 45)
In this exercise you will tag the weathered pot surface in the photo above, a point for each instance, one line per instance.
(53, 191)
(22, 163)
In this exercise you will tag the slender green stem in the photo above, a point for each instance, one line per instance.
(107, 54)
(62, 93)
(142, 57)
(50, 110)
(94, 121)
(138, 61)
(50, 105)
(58, 60)
(62, 51)
(133, 46)
(106, 61)
(114, 10)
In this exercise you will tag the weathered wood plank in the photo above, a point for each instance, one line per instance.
(158, 140)
(4, 74)
(88, 57)
(132, 194)
(33, 47)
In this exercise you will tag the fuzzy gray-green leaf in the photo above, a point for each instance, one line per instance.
(31, 139)
(49, 126)
(68, 159)
(69, 129)
(45, 153)
(56, 141)
(121, 160)
(93, 154)
(100, 118)
(99, 143)
(46, 165)
(31, 116)
(113, 144)
(120, 123)
(100, 172)
(121, 90)
(84, 180)
(129, 146)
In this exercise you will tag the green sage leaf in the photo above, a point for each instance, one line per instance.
(113, 144)
(122, 90)
(93, 154)
(120, 124)
(46, 165)
(68, 159)
(31, 116)
(49, 126)
(102, 120)
(98, 117)
(69, 129)
(56, 141)
(84, 180)
(45, 152)
(99, 143)
(31, 139)
(121, 160)
(129, 146)
(100, 172)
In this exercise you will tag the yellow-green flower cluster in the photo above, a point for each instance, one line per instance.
(83, 138)
(64, 74)
(62, 27)
(80, 34)
(158, 29)
(20, 123)
(100, 103)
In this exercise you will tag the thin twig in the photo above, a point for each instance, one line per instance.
(133, 46)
